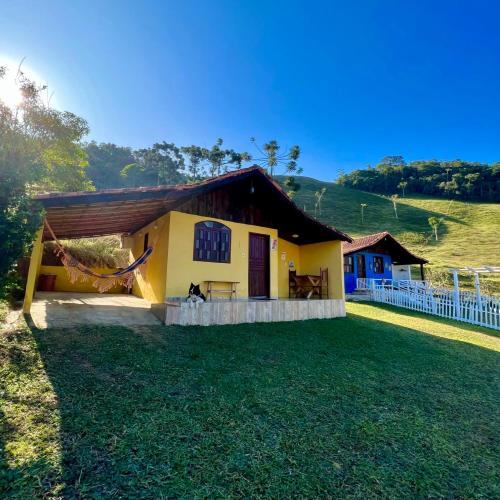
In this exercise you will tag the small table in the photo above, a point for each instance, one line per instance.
(231, 290)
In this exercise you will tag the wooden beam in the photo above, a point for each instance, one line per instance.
(35, 261)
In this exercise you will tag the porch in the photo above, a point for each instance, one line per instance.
(231, 312)
(63, 310)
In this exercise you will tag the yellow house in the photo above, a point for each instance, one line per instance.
(255, 254)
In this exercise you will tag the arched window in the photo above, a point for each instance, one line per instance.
(212, 242)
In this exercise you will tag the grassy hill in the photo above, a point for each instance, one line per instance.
(469, 236)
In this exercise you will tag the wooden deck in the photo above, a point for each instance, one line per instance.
(227, 312)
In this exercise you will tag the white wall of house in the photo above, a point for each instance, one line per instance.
(401, 272)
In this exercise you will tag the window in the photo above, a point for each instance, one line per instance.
(378, 265)
(348, 264)
(212, 242)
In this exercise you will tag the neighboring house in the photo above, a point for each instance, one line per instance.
(239, 230)
(377, 256)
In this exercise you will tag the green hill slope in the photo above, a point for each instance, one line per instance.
(469, 236)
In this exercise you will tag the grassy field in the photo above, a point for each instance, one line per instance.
(469, 235)
(403, 406)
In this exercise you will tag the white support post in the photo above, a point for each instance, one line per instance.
(456, 294)
(477, 286)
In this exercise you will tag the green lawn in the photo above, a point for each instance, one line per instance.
(468, 236)
(404, 405)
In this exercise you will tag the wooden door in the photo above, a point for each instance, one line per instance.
(258, 266)
(361, 266)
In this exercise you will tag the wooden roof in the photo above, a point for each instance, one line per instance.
(385, 240)
(247, 195)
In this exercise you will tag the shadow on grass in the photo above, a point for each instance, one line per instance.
(352, 407)
(438, 321)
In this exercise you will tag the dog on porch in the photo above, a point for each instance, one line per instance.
(195, 296)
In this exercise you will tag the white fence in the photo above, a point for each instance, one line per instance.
(369, 283)
(462, 306)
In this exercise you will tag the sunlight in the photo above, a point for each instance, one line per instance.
(10, 93)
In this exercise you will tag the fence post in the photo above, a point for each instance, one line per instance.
(479, 305)
(456, 294)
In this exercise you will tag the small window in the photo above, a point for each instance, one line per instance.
(378, 265)
(146, 242)
(212, 242)
(348, 264)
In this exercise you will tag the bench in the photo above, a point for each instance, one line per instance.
(211, 289)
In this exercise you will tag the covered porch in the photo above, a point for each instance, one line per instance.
(65, 309)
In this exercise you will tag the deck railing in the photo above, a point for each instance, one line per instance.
(369, 283)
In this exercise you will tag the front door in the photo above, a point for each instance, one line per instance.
(361, 266)
(258, 266)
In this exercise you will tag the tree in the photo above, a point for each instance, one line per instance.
(220, 159)
(39, 150)
(363, 206)
(106, 161)
(196, 155)
(394, 199)
(472, 181)
(393, 161)
(272, 159)
(402, 185)
(160, 164)
(319, 196)
(435, 222)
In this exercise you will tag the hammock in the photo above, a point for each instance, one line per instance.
(102, 281)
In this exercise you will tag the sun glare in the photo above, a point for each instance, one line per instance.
(10, 93)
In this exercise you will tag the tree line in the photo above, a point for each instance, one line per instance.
(456, 179)
(112, 166)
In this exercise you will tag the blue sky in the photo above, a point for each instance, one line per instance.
(350, 82)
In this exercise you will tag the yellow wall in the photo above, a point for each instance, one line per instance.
(171, 267)
(327, 254)
(151, 280)
(63, 284)
(182, 269)
(288, 253)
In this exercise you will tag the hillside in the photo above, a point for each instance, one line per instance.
(469, 235)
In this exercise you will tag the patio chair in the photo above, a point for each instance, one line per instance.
(323, 273)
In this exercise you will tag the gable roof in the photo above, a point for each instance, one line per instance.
(125, 211)
(398, 252)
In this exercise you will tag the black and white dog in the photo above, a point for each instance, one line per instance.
(195, 296)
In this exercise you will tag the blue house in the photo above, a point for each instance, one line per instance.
(378, 256)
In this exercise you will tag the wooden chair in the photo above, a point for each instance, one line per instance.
(323, 272)
(292, 284)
